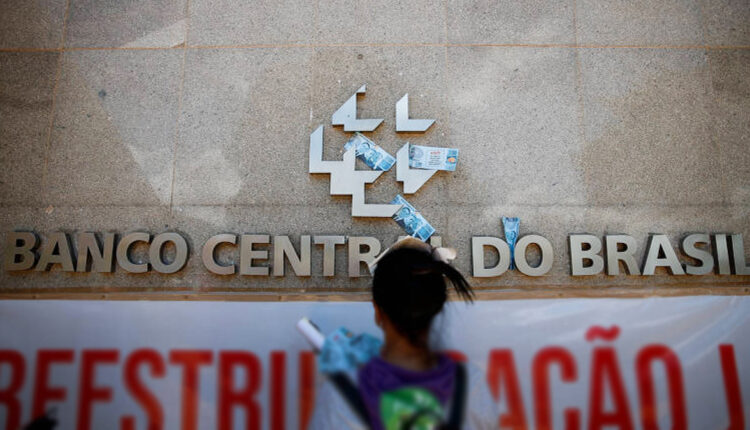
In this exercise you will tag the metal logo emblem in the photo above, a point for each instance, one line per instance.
(346, 180)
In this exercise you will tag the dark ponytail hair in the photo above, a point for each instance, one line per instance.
(409, 287)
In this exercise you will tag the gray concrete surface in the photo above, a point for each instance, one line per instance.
(663, 22)
(113, 134)
(26, 86)
(194, 116)
(32, 25)
(114, 23)
(527, 22)
(249, 22)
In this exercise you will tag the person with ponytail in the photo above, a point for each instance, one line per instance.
(409, 385)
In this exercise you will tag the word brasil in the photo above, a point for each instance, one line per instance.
(266, 255)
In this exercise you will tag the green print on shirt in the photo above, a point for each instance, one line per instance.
(410, 408)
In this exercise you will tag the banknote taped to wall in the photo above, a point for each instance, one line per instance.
(369, 152)
(432, 158)
(411, 220)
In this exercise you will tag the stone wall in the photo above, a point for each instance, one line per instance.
(194, 116)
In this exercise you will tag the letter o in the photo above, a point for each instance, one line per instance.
(520, 255)
(154, 252)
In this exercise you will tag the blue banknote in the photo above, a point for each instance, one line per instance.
(428, 157)
(511, 226)
(344, 351)
(369, 152)
(411, 220)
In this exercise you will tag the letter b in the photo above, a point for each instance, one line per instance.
(578, 254)
(28, 241)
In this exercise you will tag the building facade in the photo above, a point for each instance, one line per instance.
(164, 150)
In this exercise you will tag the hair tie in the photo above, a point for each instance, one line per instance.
(446, 255)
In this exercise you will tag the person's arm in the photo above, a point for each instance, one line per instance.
(332, 411)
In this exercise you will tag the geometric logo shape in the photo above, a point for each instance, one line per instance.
(413, 179)
(345, 179)
(346, 115)
(403, 123)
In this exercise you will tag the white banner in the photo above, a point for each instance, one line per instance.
(569, 363)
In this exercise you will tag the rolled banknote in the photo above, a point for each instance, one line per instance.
(311, 332)
(432, 158)
(411, 220)
(511, 227)
(369, 152)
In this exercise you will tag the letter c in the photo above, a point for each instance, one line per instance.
(122, 252)
(208, 254)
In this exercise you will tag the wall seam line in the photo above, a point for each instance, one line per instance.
(311, 92)
(713, 103)
(385, 45)
(446, 102)
(58, 75)
(580, 99)
(180, 97)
